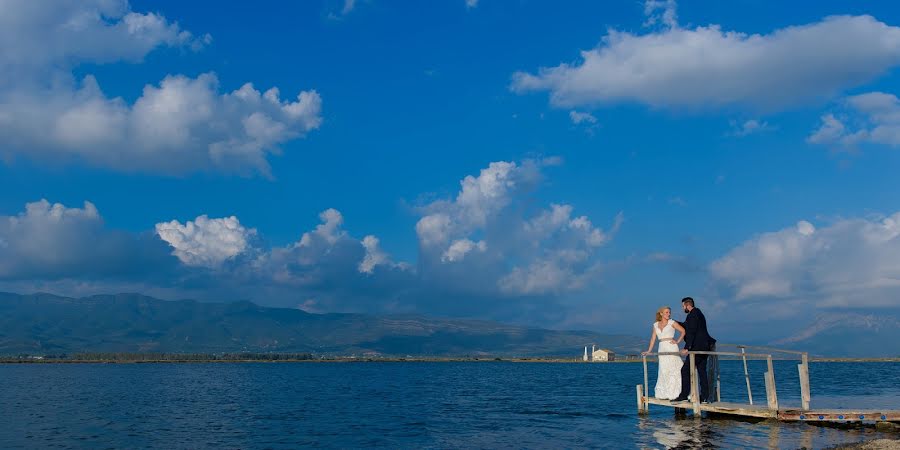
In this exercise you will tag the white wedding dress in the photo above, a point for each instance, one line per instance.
(668, 381)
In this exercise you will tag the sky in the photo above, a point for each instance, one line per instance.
(571, 166)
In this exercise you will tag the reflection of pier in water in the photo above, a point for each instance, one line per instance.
(771, 409)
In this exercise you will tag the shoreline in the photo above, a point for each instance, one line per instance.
(871, 444)
(175, 360)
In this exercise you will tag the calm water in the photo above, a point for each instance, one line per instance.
(418, 405)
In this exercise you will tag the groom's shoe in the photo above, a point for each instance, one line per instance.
(679, 399)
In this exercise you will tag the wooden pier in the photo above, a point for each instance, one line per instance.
(771, 409)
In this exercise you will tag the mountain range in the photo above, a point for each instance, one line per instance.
(848, 334)
(50, 324)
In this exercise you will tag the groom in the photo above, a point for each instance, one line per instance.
(696, 338)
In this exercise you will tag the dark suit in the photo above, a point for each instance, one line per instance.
(696, 338)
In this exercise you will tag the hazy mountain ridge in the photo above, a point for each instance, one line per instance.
(849, 334)
(45, 323)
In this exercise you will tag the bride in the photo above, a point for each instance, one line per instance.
(668, 380)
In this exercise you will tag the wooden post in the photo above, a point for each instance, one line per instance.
(803, 367)
(718, 382)
(771, 389)
(646, 384)
(642, 407)
(695, 392)
(746, 375)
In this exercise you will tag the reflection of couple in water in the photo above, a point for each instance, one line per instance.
(674, 379)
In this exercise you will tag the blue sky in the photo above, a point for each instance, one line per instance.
(738, 152)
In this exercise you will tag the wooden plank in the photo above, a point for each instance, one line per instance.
(656, 401)
(788, 414)
(640, 399)
(772, 395)
(695, 392)
(804, 381)
(747, 375)
(749, 355)
(718, 383)
(765, 349)
(739, 409)
(646, 383)
(839, 415)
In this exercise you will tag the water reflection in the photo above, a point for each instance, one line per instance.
(684, 432)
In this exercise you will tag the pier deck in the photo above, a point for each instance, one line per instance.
(787, 414)
(770, 409)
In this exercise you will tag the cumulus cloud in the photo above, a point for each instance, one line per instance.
(872, 118)
(458, 249)
(708, 67)
(661, 12)
(374, 256)
(326, 256)
(206, 242)
(66, 250)
(179, 125)
(850, 262)
(37, 36)
(749, 127)
(51, 241)
(489, 244)
(578, 117)
(488, 237)
(329, 231)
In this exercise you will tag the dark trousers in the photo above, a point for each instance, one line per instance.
(703, 380)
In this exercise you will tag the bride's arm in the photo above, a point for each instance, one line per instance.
(680, 330)
(652, 341)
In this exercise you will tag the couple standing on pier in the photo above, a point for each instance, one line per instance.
(674, 379)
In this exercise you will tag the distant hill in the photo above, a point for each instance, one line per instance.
(50, 324)
(849, 334)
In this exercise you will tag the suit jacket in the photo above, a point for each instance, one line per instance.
(696, 337)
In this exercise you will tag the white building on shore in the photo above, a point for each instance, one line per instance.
(598, 354)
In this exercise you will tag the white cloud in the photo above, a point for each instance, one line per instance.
(471, 4)
(180, 125)
(374, 257)
(874, 118)
(709, 67)
(487, 244)
(850, 262)
(329, 231)
(52, 241)
(487, 238)
(458, 249)
(70, 250)
(327, 255)
(749, 127)
(668, 15)
(581, 117)
(433, 229)
(831, 130)
(37, 36)
(206, 242)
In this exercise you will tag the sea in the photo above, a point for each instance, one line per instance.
(479, 404)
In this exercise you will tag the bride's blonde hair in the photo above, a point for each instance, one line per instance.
(660, 311)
